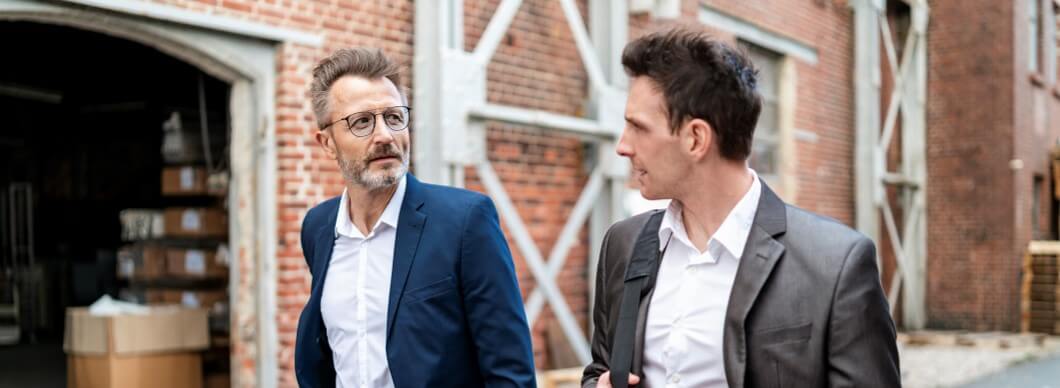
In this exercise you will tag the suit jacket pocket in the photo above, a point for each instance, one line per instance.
(779, 335)
(787, 350)
(431, 290)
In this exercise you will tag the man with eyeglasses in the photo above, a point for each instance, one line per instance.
(412, 284)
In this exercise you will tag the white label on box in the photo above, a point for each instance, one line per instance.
(189, 299)
(190, 220)
(126, 266)
(195, 262)
(187, 178)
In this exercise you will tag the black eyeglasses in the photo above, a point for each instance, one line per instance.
(362, 124)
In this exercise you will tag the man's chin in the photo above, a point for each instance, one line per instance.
(383, 177)
(650, 195)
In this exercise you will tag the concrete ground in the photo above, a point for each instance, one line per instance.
(1042, 373)
(947, 359)
(40, 365)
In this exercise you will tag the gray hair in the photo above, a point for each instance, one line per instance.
(357, 61)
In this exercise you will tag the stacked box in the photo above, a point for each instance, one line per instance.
(1041, 288)
(161, 348)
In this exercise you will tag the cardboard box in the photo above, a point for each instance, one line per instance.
(141, 224)
(195, 222)
(164, 370)
(194, 263)
(141, 262)
(170, 329)
(167, 370)
(206, 299)
(186, 180)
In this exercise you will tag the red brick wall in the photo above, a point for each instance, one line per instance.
(973, 233)
(305, 177)
(1034, 139)
(542, 172)
(824, 94)
(824, 91)
(536, 66)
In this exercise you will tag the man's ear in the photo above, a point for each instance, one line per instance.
(698, 138)
(327, 143)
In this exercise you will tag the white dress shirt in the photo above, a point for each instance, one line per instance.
(686, 317)
(356, 296)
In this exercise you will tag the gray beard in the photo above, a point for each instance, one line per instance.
(356, 172)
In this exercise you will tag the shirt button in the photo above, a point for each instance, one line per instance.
(676, 378)
(692, 270)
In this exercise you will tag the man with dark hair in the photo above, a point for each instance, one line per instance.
(728, 286)
(413, 284)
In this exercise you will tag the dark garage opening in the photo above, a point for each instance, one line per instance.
(81, 142)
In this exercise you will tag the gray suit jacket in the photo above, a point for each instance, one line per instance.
(806, 308)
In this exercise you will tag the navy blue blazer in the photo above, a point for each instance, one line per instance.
(455, 316)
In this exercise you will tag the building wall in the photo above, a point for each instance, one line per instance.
(973, 249)
(1035, 108)
(536, 66)
(822, 132)
(542, 172)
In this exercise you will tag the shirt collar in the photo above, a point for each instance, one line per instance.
(344, 226)
(734, 230)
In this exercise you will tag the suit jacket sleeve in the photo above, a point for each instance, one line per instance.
(601, 341)
(493, 303)
(861, 348)
(307, 251)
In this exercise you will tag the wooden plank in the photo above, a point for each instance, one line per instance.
(1041, 280)
(1056, 178)
(1041, 247)
(1044, 270)
(1043, 306)
(1044, 315)
(1043, 296)
(1026, 295)
(1043, 289)
(1045, 259)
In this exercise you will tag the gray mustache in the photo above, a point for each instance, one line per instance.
(389, 152)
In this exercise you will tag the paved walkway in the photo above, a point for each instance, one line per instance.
(951, 360)
(1044, 373)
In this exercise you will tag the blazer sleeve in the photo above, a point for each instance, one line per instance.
(862, 349)
(307, 243)
(601, 341)
(492, 301)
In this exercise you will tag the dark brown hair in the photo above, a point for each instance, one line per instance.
(358, 61)
(701, 77)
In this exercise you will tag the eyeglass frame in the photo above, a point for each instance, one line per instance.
(375, 121)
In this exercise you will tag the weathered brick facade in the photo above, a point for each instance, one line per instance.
(991, 125)
(536, 66)
(983, 111)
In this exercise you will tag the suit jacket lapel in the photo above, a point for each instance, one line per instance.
(409, 230)
(324, 245)
(760, 256)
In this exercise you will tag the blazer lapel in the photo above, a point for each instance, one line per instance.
(760, 256)
(324, 244)
(409, 230)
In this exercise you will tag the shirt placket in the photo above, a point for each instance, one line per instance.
(677, 343)
(362, 314)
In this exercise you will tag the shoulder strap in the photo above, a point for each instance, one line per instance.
(640, 274)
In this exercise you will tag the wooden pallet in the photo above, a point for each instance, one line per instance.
(1040, 296)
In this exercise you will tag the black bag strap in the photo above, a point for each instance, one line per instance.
(639, 281)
